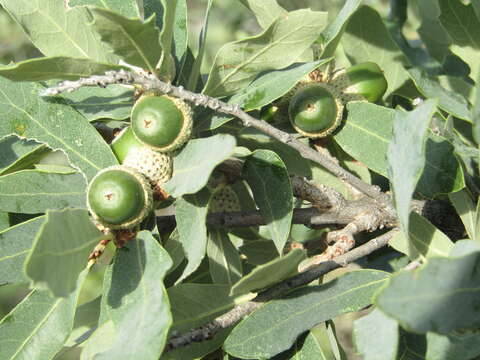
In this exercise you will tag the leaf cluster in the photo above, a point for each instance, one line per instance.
(419, 145)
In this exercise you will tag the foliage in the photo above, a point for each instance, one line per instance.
(186, 267)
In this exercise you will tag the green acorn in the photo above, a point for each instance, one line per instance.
(124, 143)
(119, 197)
(162, 123)
(315, 110)
(224, 199)
(364, 81)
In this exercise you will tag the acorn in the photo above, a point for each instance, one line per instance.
(119, 197)
(364, 81)
(124, 143)
(315, 110)
(224, 199)
(162, 123)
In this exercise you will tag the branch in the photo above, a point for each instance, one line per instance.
(306, 216)
(150, 82)
(232, 317)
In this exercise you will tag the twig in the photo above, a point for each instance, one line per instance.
(305, 216)
(150, 82)
(232, 317)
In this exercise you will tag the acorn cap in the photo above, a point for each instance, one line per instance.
(315, 110)
(162, 123)
(123, 143)
(224, 199)
(364, 81)
(119, 197)
(156, 167)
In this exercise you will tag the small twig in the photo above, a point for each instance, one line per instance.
(150, 82)
(232, 317)
(412, 265)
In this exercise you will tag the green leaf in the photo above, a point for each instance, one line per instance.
(334, 31)
(449, 101)
(135, 41)
(191, 216)
(279, 46)
(114, 102)
(382, 346)
(56, 31)
(194, 164)
(367, 39)
(38, 326)
(429, 298)
(135, 298)
(432, 32)
(366, 136)
(166, 64)
(463, 203)
(15, 244)
(223, 257)
(4, 221)
(442, 172)
(197, 304)
(32, 192)
(101, 340)
(268, 178)
(175, 250)
(462, 25)
(254, 139)
(58, 67)
(408, 147)
(86, 318)
(270, 273)
(259, 252)
(127, 8)
(17, 154)
(275, 326)
(60, 250)
(266, 11)
(197, 62)
(458, 346)
(180, 32)
(454, 346)
(424, 239)
(316, 345)
(55, 169)
(24, 113)
(464, 247)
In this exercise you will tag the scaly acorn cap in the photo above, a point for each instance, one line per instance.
(119, 197)
(162, 123)
(156, 167)
(316, 109)
(224, 199)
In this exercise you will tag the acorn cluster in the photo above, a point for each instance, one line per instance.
(315, 107)
(121, 196)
